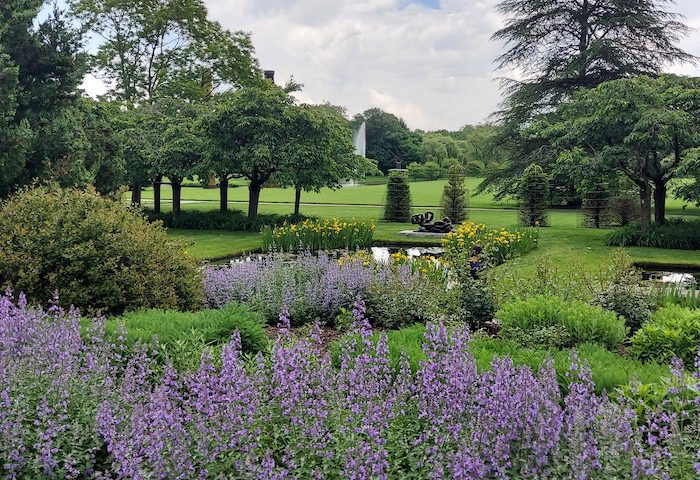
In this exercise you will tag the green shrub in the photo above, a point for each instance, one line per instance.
(627, 297)
(396, 301)
(416, 171)
(676, 233)
(232, 220)
(455, 197)
(533, 194)
(582, 322)
(432, 170)
(671, 331)
(96, 253)
(609, 370)
(182, 336)
(398, 197)
(675, 294)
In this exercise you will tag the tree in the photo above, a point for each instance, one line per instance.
(40, 70)
(139, 135)
(455, 196)
(561, 46)
(182, 145)
(398, 197)
(164, 47)
(389, 140)
(534, 197)
(249, 135)
(643, 128)
(320, 151)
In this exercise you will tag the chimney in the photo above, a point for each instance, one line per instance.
(270, 75)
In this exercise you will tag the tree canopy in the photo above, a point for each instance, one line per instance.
(641, 127)
(389, 140)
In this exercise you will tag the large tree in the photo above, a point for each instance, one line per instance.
(321, 152)
(249, 133)
(164, 47)
(646, 129)
(560, 46)
(182, 146)
(41, 67)
(389, 140)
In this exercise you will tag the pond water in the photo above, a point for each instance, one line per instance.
(681, 276)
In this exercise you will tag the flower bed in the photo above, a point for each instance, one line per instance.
(314, 235)
(73, 408)
(477, 244)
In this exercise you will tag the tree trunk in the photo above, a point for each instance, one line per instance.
(660, 202)
(297, 200)
(177, 189)
(253, 199)
(223, 194)
(136, 194)
(156, 193)
(645, 205)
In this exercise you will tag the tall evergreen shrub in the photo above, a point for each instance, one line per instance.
(534, 197)
(398, 197)
(455, 197)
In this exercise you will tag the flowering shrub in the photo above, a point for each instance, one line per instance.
(474, 243)
(318, 287)
(72, 409)
(314, 235)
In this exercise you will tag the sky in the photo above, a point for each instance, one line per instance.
(430, 62)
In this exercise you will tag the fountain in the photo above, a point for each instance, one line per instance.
(360, 140)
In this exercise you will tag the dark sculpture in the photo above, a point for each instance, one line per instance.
(425, 220)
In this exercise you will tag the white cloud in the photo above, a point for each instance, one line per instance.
(433, 67)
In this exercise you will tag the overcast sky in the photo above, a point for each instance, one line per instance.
(427, 61)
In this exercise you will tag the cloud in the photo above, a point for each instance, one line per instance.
(428, 61)
(431, 66)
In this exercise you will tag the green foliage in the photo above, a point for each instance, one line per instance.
(416, 171)
(687, 296)
(95, 252)
(676, 233)
(609, 370)
(455, 198)
(628, 298)
(232, 220)
(671, 331)
(323, 154)
(138, 54)
(398, 198)
(253, 133)
(401, 300)
(578, 322)
(432, 170)
(534, 197)
(182, 336)
(315, 235)
(389, 141)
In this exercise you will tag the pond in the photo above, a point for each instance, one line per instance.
(379, 254)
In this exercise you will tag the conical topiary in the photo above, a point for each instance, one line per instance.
(534, 197)
(398, 197)
(455, 198)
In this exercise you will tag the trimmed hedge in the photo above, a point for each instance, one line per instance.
(232, 220)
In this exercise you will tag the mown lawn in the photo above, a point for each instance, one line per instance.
(565, 243)
(423, 194)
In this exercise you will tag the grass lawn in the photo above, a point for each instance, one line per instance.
(565, 243)
(423, 194)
